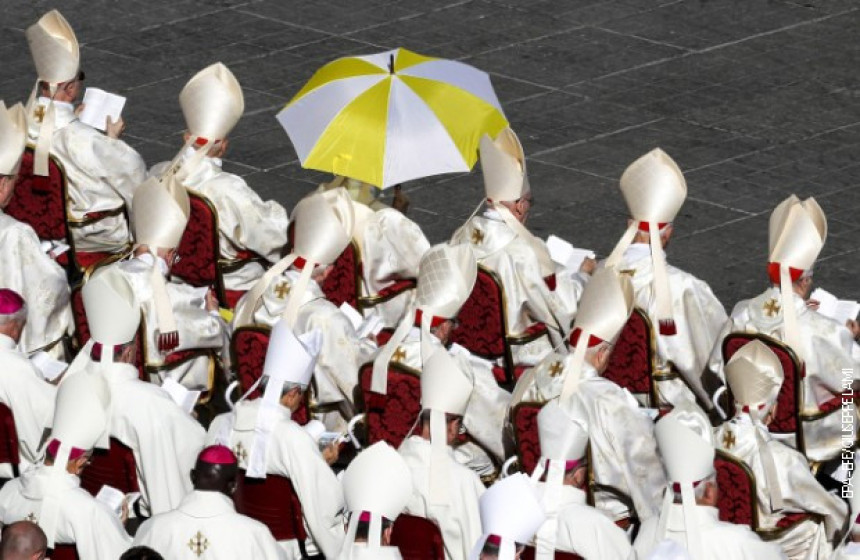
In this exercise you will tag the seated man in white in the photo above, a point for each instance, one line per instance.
(391, 246)
(50, 494)
(22, 389)
(796, 234)
(511, 513)
(323, 224)
(102, 171)
(206, 522)
(535, 289)
(212, 103)
(446, 277)
(267, 441)
(176, 316)
(446, 492)
(684, 312)
(622, 434)
(562, 480)
(689, 515)
(784, 482)
(164, 438)
(376, 486)
(26, 268)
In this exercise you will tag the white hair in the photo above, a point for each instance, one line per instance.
(19, 316)
(699, 489)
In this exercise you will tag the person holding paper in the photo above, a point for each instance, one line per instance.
(784, 483)
(267, 441)
(206, 525)
(164, 438)
(797, 232)
(102, 170)
(176, 317)
(50, 493)
(536, 289)
(323, 226)
(446, 277)
(390, 244)
(22, 389)
(26, 268)
(685, 314)
(445, 491)
(621, 434)
(212, 104)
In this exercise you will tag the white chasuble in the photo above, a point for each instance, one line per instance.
(95, 530)
(40, 281)
(291, 453)
(245, 221)
(102, 175)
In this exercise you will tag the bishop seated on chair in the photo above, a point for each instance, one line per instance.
(784, 482)
(796, 236)
(176, 316)
(26, 268)
(101, 169)
(535, 289)
(267, 441)
(212, 103)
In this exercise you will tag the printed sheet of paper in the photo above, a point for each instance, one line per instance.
(181, 396)
(566, 254)
(830, 306)
(98, 106)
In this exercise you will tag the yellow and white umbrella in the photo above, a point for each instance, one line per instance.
(391, 117)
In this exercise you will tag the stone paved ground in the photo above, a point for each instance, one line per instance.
(755, 99)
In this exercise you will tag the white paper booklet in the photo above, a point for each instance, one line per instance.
(111, 497)
(566, 254)
(48, 366)
(98, 106)
(830, 306)
(364, 326)
(181, 396)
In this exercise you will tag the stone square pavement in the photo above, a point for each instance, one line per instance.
(755, 99)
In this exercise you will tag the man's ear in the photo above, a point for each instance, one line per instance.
(231, 487)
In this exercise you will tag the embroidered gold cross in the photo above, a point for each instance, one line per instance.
(198, 544)
(555, 369)
(399, 355)
(240, 452)
(771, 307)
(39, 113)
(282, 289)
(31, 517)
(728, 439)
(477, 236)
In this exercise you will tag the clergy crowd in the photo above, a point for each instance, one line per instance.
(279, 467)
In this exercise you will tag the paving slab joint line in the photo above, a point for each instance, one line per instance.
(596, 137)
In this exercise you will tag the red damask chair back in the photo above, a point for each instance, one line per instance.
(529, 554)
(737, 496)
(417, 538)
(248, 348)
(526, 437)
(115, 467)
(273, 502)
(389, 417)
(343, 284)
(632, 363)
(40, 201)
(64, 552)
(198, 250)
(789, 399)
(8, 439)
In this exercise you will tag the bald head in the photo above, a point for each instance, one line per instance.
(23, 540)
